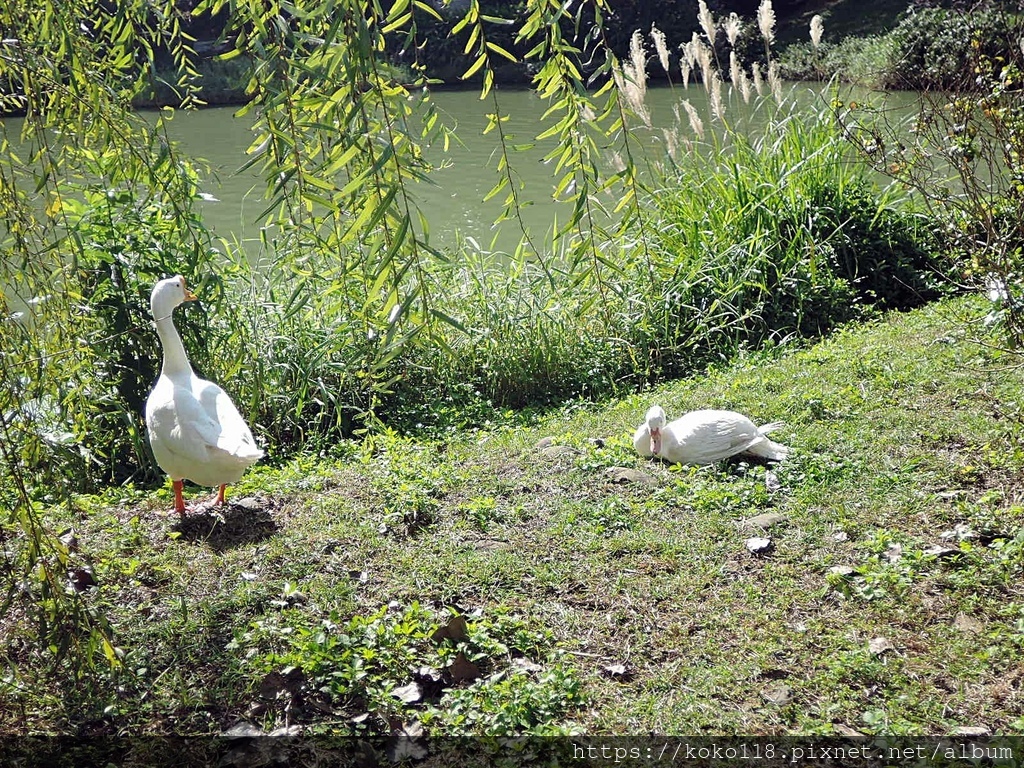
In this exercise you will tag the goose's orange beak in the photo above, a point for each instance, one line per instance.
(655, 441)
(189, 296)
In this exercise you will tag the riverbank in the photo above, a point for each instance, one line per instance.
(889, 48)
(598, 592)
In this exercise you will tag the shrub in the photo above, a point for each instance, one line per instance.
(962, 155)
(860, 60)
(776, 236)
(936, 48)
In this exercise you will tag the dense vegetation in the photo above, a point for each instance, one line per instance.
(929, 49)
(422, 594)
(354, 323)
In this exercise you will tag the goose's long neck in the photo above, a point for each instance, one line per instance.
(175, 359)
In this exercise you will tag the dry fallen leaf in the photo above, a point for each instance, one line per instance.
(462, 670)
(409, 694)
(404, 744)
(848, 732)
(455, 630)
(526, 665)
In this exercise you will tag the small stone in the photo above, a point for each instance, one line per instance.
(971, 730)
(767, 520)
(758, 545)
(842, 571)
(286, 731)
(558, 451)
(879, 645)
(617, 671)
(242, 730)
(779, 695)
(968, 624)
(849, 733)
(629, 475)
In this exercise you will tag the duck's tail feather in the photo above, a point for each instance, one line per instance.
(768, 449)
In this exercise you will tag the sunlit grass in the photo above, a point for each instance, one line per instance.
(895, 569)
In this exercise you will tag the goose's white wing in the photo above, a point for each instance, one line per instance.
(707, 436)
(226, 429)
(197, 433)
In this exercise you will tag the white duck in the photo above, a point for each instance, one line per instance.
(195, 430)
(704, 437)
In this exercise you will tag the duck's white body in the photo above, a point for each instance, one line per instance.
(704, 437)
(194, 429)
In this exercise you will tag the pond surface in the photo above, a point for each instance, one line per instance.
(465, 173)
(454, 204)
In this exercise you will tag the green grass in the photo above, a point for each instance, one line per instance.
(321, 605)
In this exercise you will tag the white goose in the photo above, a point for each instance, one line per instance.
(195, 430)
(704, 437)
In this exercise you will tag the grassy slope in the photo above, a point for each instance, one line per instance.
(901, 430)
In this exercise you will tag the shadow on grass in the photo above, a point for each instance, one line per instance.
(245, 521)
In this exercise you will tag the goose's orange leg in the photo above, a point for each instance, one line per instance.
(220, 496)
(179, 501)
